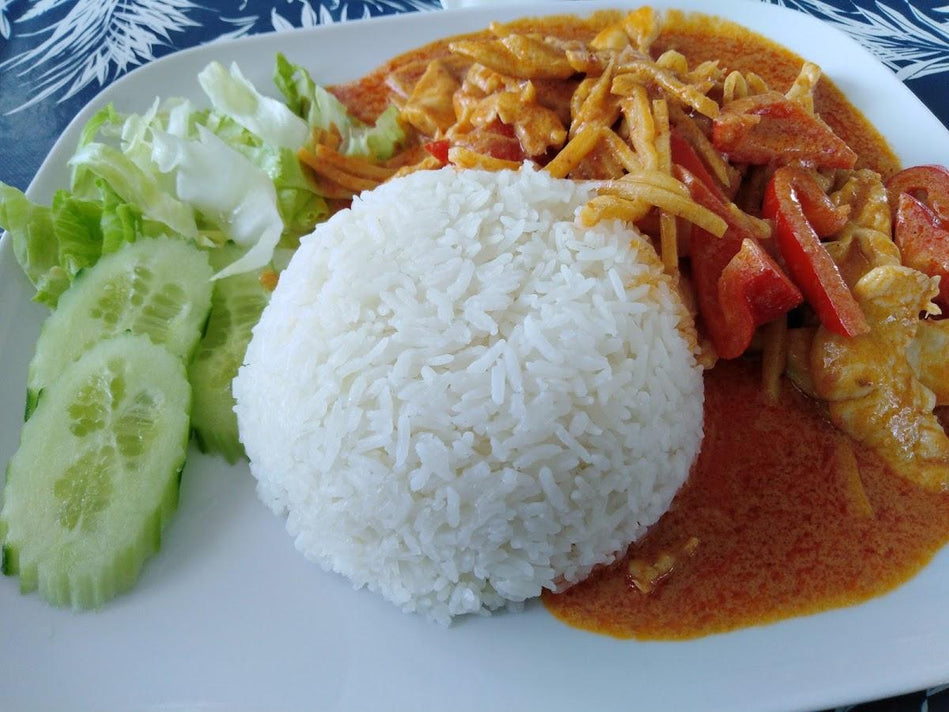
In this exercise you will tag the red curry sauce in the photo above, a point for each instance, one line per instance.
(781, 531)
(769, 525)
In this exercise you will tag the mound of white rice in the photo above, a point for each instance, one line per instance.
(459, 397)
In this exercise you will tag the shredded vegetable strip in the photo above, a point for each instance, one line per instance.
(575, 151)
(774, 357)
(598, 107)
(802, 91)
(340, 177)
(352, 165)
(739, 86)
(622, 151)
(660, 112)
(633, 74)
(609, 207)
(654, 193)
(668, 237)
(466, 158)
(642, 128)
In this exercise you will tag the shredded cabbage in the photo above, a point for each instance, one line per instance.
(323, 110)
(227, 173)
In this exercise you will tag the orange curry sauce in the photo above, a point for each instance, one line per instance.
(769, 525)
(781, 530)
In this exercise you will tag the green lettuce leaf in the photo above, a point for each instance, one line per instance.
(77, 227)
(35, 246)
(323, 110)
(121, 222)
(228, 173)
(234, 96)
(242, 195)
(52, 244)
(134, 185)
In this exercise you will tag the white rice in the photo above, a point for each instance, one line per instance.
(458, 397)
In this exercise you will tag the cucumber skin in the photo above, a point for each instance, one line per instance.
(9, 565)
(213, 421)
(212, 441)
(58, 583)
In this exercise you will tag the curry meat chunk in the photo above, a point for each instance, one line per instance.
(864, 194)
(646, 574)
(864, 242)
(429, 107)
(873, 392)
(486, 97)
(863, 245)
(537, 128)
(929, 356)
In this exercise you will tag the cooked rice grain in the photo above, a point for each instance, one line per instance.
(459, 397)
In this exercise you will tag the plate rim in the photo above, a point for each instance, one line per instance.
(922, 676)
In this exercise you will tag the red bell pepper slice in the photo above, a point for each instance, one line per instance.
(737, 288)
(716, 201)
(770, 129)
(685, 155)
(923, 239)
(752, 291)
(793, 200)
(919, 200)
(928, 184)
(439, 149)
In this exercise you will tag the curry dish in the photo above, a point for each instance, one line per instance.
(804, 252)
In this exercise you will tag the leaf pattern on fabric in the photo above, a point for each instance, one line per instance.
(91, 43)
(94, 42)
(911, 42)
(344, 10)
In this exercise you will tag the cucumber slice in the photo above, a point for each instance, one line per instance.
(236, 306)
(160, 287)
(96, 474)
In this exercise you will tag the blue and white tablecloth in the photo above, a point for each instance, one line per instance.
(55, 55)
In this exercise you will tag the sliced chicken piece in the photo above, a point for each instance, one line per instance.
(860, 250)
(863, 191)
(553, 94)
(929, 355)
(536, 127)
(872, 390)
(402, 80)
(429, 107)
(864, 242)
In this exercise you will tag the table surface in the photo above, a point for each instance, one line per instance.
(56, 55)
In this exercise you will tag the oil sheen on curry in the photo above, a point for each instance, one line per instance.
(824, 466)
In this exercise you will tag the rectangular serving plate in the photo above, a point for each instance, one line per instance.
(228, 616)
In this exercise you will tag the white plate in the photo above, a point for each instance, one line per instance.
(229, 616)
